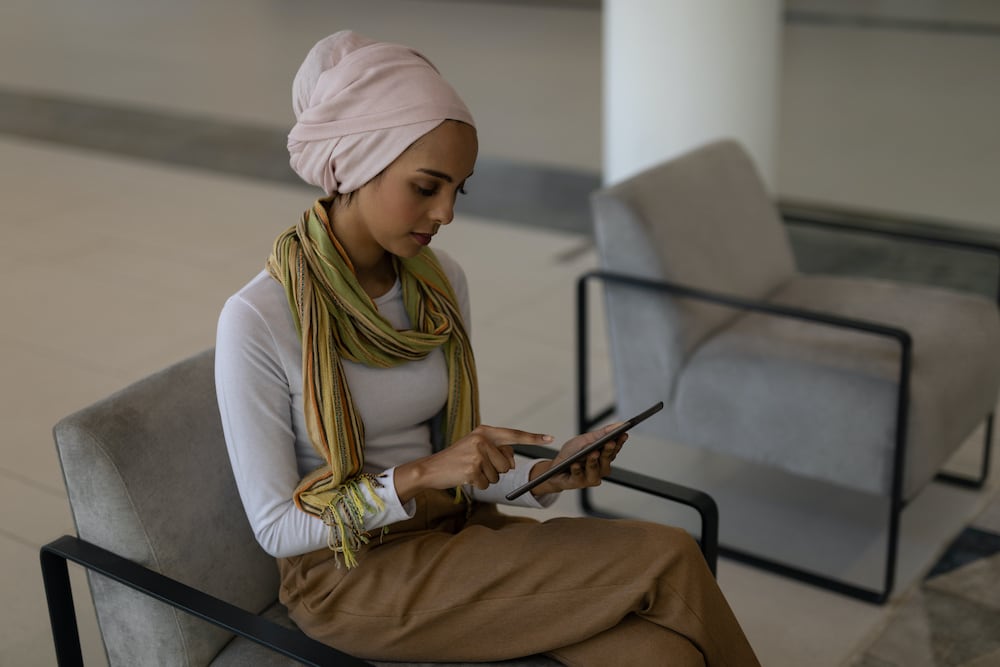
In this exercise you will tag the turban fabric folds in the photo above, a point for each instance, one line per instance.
(359, 104)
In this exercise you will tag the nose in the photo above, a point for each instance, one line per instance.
(443, 211)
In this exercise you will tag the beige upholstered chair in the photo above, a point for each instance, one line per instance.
(174, 569)
(865, 383)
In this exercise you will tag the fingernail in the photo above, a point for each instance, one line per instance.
(547, 438)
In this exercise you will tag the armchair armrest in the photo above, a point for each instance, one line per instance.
(684, 291)
(856, 222)
(740, 303)
(703, 503)
(59, 596)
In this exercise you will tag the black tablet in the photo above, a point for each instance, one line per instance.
(597, 444)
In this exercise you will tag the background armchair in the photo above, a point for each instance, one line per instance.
(174, 570)
(865, 383)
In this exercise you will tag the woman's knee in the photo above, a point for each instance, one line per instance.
(671, 540)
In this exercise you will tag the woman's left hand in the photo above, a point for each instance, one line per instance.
(588, 471)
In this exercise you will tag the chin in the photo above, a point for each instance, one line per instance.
(409, 253)
(410, 249)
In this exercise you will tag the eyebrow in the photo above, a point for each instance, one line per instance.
(437, 174)
(440, 174)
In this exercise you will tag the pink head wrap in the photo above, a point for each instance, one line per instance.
(359, 104)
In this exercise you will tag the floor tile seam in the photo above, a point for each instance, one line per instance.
(582, 250)
(970, 567)
(59, 493)
(982, 605)
(237, 176)
(13, 537)
(85, 152)
(990, 532)
(975, 523)
(913, 595)
(978, 521)
(180, 170)
(114, 126)
(937, 555)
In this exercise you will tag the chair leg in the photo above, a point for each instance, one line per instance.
(973, 482)
(62, 614)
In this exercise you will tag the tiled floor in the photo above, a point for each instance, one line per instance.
(953, 618)
(112, 267)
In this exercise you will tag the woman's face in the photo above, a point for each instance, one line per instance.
(402, 209)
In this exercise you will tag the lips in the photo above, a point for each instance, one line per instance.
(422, 239)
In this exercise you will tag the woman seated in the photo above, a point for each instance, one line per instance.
(335, 363)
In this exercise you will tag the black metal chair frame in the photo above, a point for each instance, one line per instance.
(56, 555)
(896, 501)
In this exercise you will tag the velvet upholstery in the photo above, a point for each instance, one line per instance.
(148, 478)
(813, 400)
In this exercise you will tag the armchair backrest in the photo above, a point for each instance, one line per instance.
(704, 219)
(148, 477)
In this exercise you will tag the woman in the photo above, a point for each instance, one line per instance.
(338, 368)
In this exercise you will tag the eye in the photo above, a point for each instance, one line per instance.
(434, 189)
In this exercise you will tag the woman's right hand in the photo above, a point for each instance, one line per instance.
(478, 459)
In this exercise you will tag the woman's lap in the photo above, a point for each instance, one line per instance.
(509, 586)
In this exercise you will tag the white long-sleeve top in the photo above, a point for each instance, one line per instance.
(258, 375)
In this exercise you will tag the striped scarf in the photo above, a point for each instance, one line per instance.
(337, 320)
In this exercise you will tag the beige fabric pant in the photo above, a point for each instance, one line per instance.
(444, 586)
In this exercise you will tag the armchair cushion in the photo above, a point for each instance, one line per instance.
(820, 401)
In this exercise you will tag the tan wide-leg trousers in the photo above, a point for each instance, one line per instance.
(444, 586)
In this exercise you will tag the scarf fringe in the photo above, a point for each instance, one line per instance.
(345, 514)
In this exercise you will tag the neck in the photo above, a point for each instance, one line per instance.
(373, 266)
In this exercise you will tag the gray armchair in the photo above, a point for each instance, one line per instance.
(865, 383)
(175, 573)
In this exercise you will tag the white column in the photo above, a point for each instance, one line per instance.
(680, 73)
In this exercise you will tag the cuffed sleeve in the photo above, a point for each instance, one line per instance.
(510, 480)
(394, 510)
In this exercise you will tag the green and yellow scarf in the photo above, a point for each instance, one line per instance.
(337, 320)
